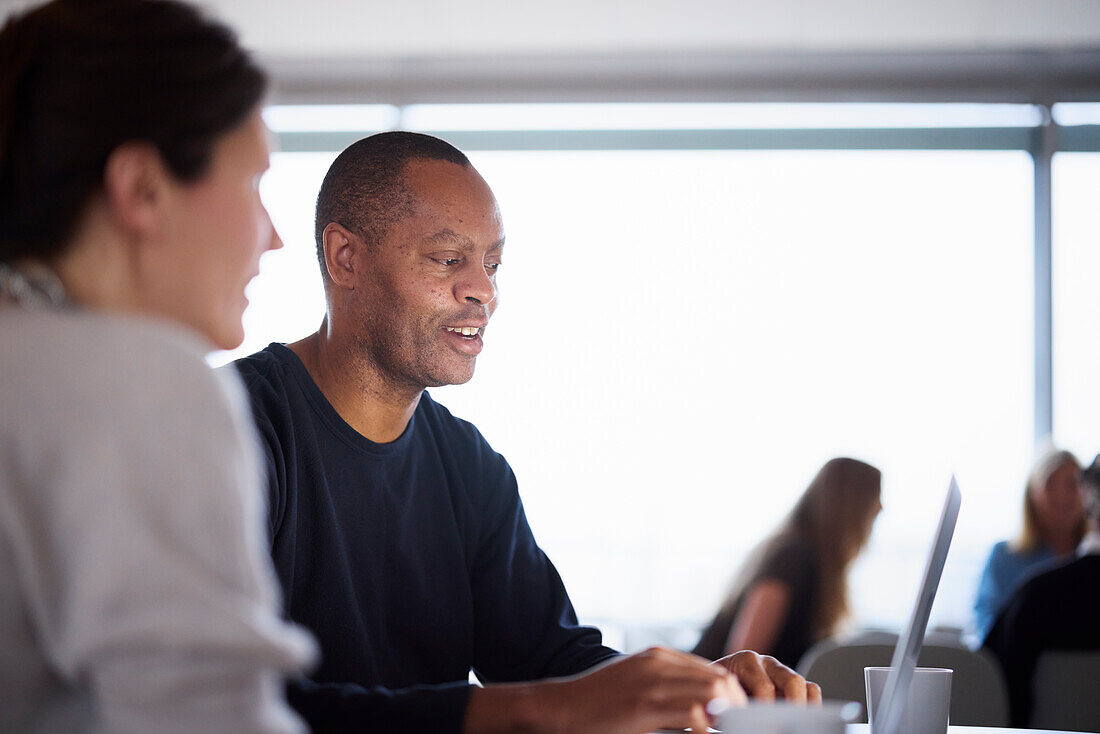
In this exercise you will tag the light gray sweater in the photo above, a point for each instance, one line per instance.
(136, 594)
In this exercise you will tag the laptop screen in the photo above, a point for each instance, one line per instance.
(896, 691)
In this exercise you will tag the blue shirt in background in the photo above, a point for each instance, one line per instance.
(1005, 570)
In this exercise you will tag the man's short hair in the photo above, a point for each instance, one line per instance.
(364, 189)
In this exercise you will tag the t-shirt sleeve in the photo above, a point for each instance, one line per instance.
(139, 544)
(792, 565)
(347, 708)
(274, 474)
(525, 625)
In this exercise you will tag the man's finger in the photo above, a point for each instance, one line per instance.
(747, 666)
(678, 713)
(788, 683)
(735, 694)
(791, 685)
(681, 657)
(699, 719)
(813, 692)
(684, 693)
(684, 666)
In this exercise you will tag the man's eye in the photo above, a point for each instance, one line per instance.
(492, 266)
(450, 262)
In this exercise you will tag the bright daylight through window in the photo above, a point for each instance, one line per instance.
(1077, 301)
(685, 336)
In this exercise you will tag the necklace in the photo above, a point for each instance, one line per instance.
(32, 286)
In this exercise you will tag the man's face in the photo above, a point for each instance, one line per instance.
(425, 293)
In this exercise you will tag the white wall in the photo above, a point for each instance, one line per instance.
(372, 28)
(358, 28)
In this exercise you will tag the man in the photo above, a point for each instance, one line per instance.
(1057, 609)
(397, 532)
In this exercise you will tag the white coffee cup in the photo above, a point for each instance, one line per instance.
(927, 709)
(781, 717)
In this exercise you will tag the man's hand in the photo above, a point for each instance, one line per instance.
(766, 678)
(655, 689)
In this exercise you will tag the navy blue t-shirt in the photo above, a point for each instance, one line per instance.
(412, 561)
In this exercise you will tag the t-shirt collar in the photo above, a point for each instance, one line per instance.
(330, 415)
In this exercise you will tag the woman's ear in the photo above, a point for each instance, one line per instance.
(135, 184)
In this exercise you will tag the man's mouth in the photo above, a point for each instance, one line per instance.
(467, 331)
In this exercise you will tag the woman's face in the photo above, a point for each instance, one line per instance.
(215, 232)
(1059, 503)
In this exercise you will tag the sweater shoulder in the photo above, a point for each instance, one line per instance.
(85, 363)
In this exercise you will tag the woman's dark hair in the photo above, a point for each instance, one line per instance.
(80, 77)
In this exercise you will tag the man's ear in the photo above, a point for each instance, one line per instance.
(135, 182)
(340, 249)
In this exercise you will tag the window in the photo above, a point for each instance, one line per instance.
(1076, 276)
(684, 337)
(687, 334)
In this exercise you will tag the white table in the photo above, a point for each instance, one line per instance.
(866, 729)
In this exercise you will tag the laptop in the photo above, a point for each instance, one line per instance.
(896, 690)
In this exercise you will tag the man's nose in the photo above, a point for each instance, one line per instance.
(476, 286)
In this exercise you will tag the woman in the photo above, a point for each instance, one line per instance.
(793, 590)
(135, 591)
(1053, 524)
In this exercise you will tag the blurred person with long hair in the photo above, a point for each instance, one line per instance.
(793, 589)
(135, 591)
(1053, 524)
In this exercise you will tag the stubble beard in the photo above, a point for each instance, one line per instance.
(406, 363)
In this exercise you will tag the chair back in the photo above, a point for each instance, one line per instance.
(979, 696)
(1064, 689)
(862, 637)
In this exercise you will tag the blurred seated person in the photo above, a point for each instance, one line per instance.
(1055, 609)
(1054, 523)
(793, 590)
